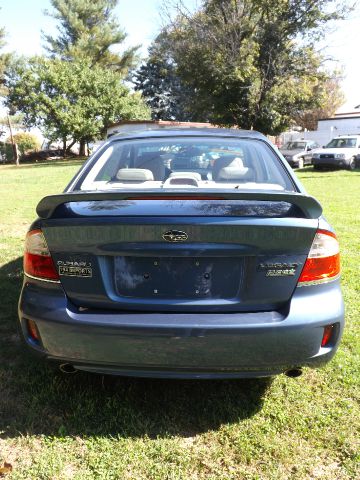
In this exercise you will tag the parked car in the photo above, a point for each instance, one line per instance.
(298, 153)
(342, 152)
(182, 253)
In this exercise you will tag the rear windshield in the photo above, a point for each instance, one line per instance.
(191, 162)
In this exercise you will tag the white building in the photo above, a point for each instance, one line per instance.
(347, 123)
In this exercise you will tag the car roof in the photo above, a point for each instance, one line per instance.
(189, 132)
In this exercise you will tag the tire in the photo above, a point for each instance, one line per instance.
(352, 163)
(318, 167)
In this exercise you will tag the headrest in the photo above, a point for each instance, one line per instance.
(235, 173)
(153, 162)
(134, 175)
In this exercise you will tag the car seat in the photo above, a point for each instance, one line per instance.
(153, 162)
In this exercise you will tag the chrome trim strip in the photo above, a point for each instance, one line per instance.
(319, 282)
(41, 279)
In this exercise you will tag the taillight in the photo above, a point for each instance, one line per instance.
(323, 261)
(37, 259)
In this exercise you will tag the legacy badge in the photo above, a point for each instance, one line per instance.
(278, 269)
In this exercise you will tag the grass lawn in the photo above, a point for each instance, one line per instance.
(93, 427)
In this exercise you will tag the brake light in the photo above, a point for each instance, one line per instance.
(37, 259)
(323, 261)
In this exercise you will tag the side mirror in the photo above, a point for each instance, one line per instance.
(308, 149)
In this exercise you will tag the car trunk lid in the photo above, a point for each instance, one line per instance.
(175, 253)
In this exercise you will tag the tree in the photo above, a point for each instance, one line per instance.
(250, 63)
(4, 60)
(87, 31)
(164, 92)
(330, 97)
(70, 101)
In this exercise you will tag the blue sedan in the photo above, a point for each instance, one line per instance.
(184, 253)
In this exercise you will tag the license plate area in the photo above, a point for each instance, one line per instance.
(178, 277)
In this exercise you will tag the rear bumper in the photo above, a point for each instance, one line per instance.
(206, 345)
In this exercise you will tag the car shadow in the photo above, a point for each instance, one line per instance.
(37, 399)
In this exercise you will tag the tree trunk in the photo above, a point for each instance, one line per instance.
(82, 147)
(17, 154)
(14, 146)
(64, 147)
(70, 147)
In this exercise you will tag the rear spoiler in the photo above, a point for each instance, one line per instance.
(307, 204)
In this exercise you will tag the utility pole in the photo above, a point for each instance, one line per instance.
(14, 147)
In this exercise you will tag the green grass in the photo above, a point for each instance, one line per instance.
(92, 427)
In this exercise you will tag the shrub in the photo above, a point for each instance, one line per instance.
(6, 152)
(26, 142)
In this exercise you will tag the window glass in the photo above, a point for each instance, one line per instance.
(295, 146)
(342, 143)
(190, 162)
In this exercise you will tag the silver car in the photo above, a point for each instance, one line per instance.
(298, 153)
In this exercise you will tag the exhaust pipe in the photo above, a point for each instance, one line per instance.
(293, 372)
(67, 368)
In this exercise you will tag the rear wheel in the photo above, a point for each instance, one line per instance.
(352, 163)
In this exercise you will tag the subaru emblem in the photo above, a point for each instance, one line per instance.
(175, 236)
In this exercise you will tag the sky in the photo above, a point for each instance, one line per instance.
(25, 19)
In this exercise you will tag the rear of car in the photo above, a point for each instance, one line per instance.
(182, 254)
(341, 152)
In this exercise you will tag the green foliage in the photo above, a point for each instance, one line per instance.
(16, 120)
(330, 98)
(164, 92)
(87, 31)
(26, 142)
(4, 60)
(71, 100)
(6, 152)
(248, 63)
